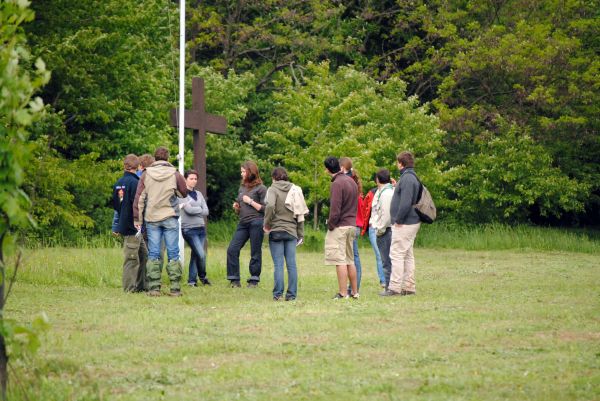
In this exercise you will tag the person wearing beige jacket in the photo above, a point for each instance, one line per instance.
(156, 203)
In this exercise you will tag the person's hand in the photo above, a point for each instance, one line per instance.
(266, 229)
(138, 226)
(246, 199)
(236, 206)
(393, 181)
(397, 225)
(182, 205)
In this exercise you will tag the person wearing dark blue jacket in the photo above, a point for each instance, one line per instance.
(135, 252)
(405, 226)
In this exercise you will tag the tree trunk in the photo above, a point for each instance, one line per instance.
(316, 216)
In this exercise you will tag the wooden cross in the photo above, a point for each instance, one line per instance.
(201, 122)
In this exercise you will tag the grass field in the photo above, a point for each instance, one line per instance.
(485, 325)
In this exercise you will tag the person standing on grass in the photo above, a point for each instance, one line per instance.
(346, 167)
(284, 222)
(146, 160)
(372, 233)
(341, 229)
(250, 205)
(405, 226)
(193, 212)
(156, 203)
(134, 248)
(382, 222)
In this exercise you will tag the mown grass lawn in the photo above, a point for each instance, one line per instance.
(498, 325)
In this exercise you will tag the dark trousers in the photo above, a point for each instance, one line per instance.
(383, 243)
(253, 231)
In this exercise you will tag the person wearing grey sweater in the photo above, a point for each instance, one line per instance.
(193, 211)
(285, 231)
(405, 226)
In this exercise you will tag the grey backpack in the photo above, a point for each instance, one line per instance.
(424, 207)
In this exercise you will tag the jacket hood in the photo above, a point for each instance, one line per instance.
(161, 170)
(284, 186)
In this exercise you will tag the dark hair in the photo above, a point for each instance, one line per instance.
(131, 162)
(383, 176)
(279, 174)
(161, 153)
(332, 164)
(252, 176)
(146, 160)
(346, 163)
(406, 158)
(191, 172)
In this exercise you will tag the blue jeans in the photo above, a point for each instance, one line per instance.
(285, 248)
(252, 231)
(167, 229)
(373, 241)
(195, 238)
(357, 258)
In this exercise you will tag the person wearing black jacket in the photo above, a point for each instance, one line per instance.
(135, 252)
(405, 226)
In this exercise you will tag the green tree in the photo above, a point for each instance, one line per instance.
(17, 111)
(347, 113)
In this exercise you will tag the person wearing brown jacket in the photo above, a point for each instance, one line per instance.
(156, 203)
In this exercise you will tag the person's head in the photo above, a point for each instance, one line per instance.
(345, 164)
(161, 153)
(250, 175)
(146, 160)
(191, 178)
(131, 163)
(405, 159)
(382, 176)
(279, 174)
(332, 165)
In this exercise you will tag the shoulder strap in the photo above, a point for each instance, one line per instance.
(419, 181)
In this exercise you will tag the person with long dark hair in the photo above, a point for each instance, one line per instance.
(250, 205)
(193, 227)
(284, 221)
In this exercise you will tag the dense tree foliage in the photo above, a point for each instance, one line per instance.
(506, 90)
(20, 76)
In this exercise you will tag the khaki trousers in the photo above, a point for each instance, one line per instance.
(135, 255)
(403, 259)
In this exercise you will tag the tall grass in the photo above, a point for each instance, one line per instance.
(439, 235)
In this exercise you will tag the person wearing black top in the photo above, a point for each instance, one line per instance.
(250, 205)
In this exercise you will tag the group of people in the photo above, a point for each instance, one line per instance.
(152, 200)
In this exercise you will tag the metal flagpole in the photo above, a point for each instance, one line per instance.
(181, 106)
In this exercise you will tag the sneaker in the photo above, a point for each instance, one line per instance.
(389, 293)
(205, 281)
(235, 284)
(340, 296)
(355, 296)
(278, 298)
(192, 285)
(406, 292)
(175, 293)
(290, 298)
(153, 293)
(252, 284)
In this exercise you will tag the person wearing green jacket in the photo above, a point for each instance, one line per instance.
(284, 222)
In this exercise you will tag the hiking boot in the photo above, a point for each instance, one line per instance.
(278, 298)
(406, 292)
(290, 298)
(235, 284)
(153, 293)
(175, 293)
(205, 281)
(340, 296)
(252, 284)
(389, 293)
